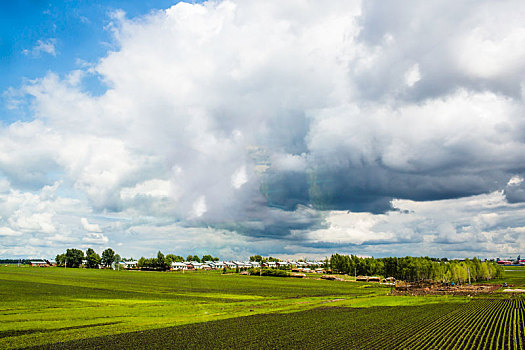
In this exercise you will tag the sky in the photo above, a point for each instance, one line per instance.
(293, 129)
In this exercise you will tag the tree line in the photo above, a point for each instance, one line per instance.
(19, 261)
(261, 259)
(74, 258)
(417, 268)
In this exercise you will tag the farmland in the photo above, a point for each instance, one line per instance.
(481, 324)
(80, 308)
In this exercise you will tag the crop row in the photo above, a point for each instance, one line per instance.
(481, 324)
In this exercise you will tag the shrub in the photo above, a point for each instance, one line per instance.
(275, 273)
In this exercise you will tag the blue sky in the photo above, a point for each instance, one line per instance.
(292, 129)
(78, 30)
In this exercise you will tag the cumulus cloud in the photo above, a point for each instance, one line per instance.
(273, 120)
(90, 227)
(38, 221)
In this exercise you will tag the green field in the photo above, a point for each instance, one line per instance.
(514, 276)
(481, 324)
(81, 308)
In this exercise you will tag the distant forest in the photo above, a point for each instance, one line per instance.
(417, 269)
(18, 261)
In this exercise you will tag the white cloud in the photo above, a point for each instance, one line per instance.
(353, 228)
(7, 231)
(289, 162)
(153, 188)
(89, 227)
(494, 44)
(42, 46)
(199, 206)
(412, 75)
(239, 177)
(95, 238)
(515, 180)
(40, 222)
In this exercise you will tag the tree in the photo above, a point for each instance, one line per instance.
(160, 262)
(257, 258)
(89, 251)
(92, 259)
(74, 257)
(108, 257)
(174, 258)
(193, 258)
(60, 259)
(207, 257)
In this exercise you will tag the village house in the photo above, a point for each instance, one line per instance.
(283, 264)
(130, 264)
(178, 266)
(195, 265)
(218, 265)
(242, 264)
(230, 265)
(270, 264)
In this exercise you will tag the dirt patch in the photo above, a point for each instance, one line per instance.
(465, 290)
(331, 301)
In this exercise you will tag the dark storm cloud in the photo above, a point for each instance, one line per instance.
(515, 190)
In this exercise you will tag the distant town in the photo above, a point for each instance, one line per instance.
(511, 262)
(109, 259)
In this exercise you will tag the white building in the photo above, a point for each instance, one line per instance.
(178, 266)
(270, 264)
(196, 265)
(218, 265)
(130, 264)
(230, 264)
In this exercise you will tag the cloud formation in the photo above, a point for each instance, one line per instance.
(43, 46)
(313, 124)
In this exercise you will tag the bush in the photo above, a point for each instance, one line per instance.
(275, 273)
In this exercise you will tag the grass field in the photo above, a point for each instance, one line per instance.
(514, 275)
(481, 324)
(101, 308)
